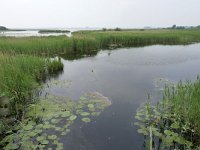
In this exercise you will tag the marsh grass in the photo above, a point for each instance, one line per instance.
(20, 76)
(83, 42)
(175, 120)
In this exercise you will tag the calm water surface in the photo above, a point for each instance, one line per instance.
(29, 33)
(125, 76)
(34, 32)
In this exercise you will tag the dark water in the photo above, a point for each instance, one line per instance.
(125, 76)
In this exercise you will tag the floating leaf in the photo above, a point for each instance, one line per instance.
(82, 98)
(38, 131)
(58, 128)
(85, 114)
(65, 114)
(96, 114)
(175, 125)
(64, 133)
(52, 137)
(54, 121)
(11, 146)
(91, 109)
(73, 117)
(143, 131)
(168, 132)
(40, 138)
(28, 127)
(47, 126)
(44, 142)
(86, 120)
(90, 105)
(41, 147)
(32, 134)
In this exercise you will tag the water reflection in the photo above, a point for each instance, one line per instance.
(125, 76)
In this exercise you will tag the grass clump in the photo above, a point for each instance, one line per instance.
(174, 123)
(20, 75)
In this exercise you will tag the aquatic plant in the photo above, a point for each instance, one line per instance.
(57, 115)
(172, 123)
(20, 76)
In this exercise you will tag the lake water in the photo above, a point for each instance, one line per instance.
(30, 33)
(34, 32)
(125, 76)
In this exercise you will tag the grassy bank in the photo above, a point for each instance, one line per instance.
(174, 123)
(20, 76)
(83, 42)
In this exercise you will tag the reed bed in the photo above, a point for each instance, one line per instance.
(87, 41)
(174, 122)
(21, 74)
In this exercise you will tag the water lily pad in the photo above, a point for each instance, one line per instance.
(82, 98)
(78, 111)
(143, 131)
(64, 133)
(44, 142)
(52, 137)
(11, 146)
(85, 114)
(92, 109)
(38, 131)
(47, 126)
(73, 117)
(54, 121)
(67, 130)
(90, 105)
(58, 128)
(96, 114)
(41, 147)
(65, 114)
(40, 138)
(175, 125)
(39, 126)
(57, 115)
(86, 120)
(28, 127)
(168, 132)
(32, 134)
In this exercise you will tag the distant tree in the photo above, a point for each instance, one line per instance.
(3, 28)
(180, 27)
(174, 26)
(118, 29)
(104, 29)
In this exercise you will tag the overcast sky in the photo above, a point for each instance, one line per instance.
(98, 13)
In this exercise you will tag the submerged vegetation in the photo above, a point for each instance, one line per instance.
(174, 122)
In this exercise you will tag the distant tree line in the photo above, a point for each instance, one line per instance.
(185, 27)
(3, 28)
